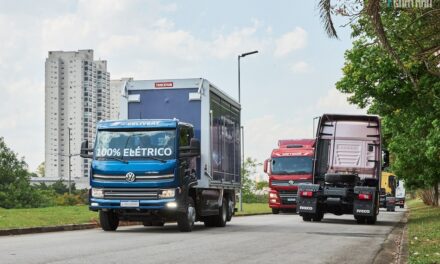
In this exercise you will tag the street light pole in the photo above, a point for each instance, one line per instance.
(242, 127)
(70, 156)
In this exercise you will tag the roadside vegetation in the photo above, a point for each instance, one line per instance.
(392, 71)
(49, 216)
(423, 232)
(65, 215)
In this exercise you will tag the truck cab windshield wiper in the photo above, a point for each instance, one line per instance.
(112, 158)
(153, 158)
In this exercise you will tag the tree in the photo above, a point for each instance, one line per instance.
(423, 42)
(41, 169)
(15, 188)
(410, 116)
(247, 184)
(261, 185)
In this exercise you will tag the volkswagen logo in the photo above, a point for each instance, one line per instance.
(130, 177)
(291, 182)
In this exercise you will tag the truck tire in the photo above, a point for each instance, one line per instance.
(275, 211)
(217, 220)
(222, 217)
(158, 223)
(230, 210)
(401, 206)
(147, 223)
(371, 220)
(109, 220)
(360, 219)
(185, 221)
(317, 217)
(338, 178)
(307, 217)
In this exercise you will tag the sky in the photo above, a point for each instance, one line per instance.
(283, 87)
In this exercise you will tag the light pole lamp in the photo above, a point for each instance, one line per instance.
(242, 128)
(239, 57)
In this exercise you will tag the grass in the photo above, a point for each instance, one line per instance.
(64, 215)
(424, 233)
(49, 216)
(254, 208)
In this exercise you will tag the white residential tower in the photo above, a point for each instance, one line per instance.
(77, 96)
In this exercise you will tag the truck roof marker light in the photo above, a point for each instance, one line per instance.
(306, 193)
(365, 196)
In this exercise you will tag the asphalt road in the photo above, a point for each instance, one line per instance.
(283, 238)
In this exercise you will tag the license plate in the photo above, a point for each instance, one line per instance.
(129, 203)
(291, 199)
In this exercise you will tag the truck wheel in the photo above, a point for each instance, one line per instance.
(371, 220)
(158, 223)
(185, 221)
(217, 220)
(230, 210)
(147, 223)
(223, 214)
(317, 217)
(307, 218)
(109, 220)
(360, 219)
(401, 206)
(275, 211)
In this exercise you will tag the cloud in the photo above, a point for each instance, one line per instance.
(300, 67)
(262, 134)
(139, 39)
(336, 102)
(291, 41)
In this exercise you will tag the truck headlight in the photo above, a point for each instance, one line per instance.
(169, 193)
(97, 193)
(273, 195)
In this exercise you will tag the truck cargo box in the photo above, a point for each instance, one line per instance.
(215, 116)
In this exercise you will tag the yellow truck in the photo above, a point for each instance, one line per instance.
(388, 191)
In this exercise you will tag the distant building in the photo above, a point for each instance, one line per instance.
(77, 96)
(118, 106)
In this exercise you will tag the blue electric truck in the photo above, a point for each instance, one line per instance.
(174, 157)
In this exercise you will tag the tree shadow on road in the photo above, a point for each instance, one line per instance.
(353, 222)
(170, 228)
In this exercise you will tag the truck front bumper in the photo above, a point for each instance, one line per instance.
(159, 204)
(283, 199)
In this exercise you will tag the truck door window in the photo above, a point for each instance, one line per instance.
(185, 136)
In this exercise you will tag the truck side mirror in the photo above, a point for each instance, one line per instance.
(193, 150)
(385, 159)
(194, 145)
(85, 151)
(266, 162)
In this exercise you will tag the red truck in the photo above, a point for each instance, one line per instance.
(289, 165)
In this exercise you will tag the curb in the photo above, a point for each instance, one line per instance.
(45, 229)
(252, 214)
(395, 248)
(73, 227)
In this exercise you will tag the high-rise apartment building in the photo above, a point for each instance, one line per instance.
(77, 96)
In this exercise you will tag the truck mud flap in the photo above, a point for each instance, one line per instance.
(307, 204)
(364, 207)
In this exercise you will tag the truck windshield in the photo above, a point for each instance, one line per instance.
(137, 144)
(291, 165)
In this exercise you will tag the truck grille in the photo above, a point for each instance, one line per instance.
(130, 194)
(287, 182)
(288, 197)
(139, 178)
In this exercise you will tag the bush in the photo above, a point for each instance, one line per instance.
(253, 198)
(84, 195)
(69, 199)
